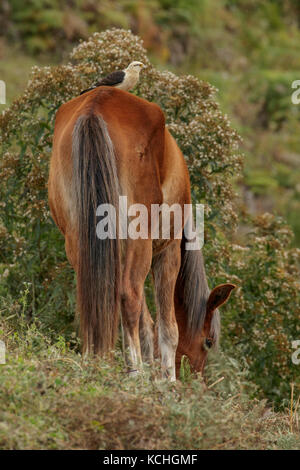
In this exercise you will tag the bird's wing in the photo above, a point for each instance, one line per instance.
(112, 79)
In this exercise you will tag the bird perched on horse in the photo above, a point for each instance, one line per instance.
(124, 79)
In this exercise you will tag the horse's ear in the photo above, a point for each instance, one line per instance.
(218, 296)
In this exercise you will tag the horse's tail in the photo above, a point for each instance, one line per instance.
(95, 182)
(194, 289)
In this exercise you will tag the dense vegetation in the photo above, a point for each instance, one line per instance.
(37, 284)
(248, 49)
(263, 318)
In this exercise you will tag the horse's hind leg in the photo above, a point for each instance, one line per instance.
(136, 267)
(146, 334)
(165, 270)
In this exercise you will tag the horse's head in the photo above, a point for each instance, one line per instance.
(196, 348)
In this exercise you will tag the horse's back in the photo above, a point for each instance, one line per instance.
(136, 128)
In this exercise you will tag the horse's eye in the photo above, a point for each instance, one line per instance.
(208, 343)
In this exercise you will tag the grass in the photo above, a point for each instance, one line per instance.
(52, 398)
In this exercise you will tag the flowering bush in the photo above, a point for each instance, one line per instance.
(262, 319)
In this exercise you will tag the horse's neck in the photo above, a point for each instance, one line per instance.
(183, 348)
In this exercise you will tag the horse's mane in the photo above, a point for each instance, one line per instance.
(193, 282)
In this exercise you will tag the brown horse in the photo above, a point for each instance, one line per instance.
(108, 143)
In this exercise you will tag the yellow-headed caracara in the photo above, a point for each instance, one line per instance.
(124, 79)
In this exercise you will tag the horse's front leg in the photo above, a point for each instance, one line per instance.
(165, 270)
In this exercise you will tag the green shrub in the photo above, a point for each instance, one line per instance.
(262, 319)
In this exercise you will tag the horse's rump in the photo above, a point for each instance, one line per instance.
(106, 143)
